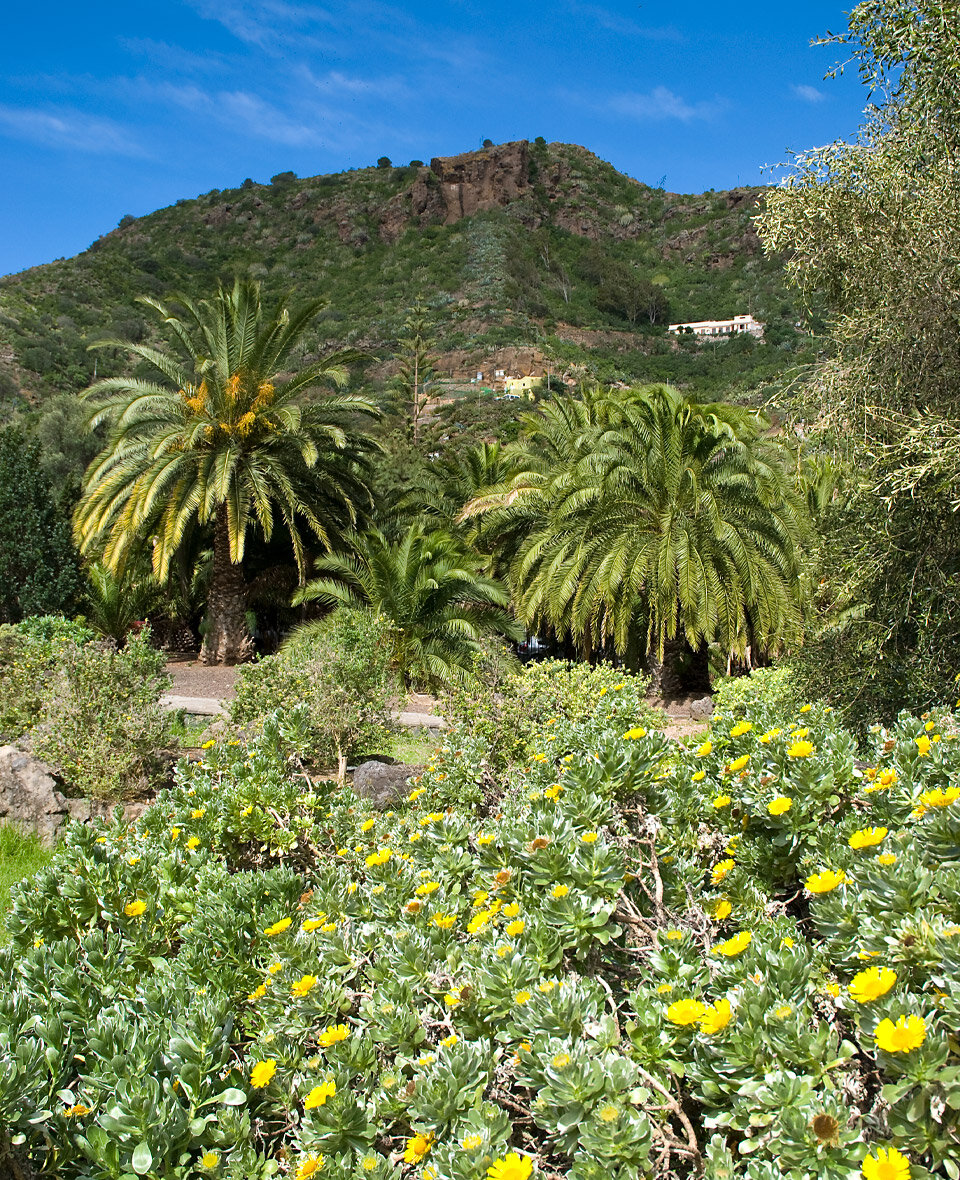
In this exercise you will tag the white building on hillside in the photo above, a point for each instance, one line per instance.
(713, 328)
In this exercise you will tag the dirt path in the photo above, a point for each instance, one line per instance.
(193, 679)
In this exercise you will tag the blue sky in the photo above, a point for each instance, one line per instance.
(108, 108)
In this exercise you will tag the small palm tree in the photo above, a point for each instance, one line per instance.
(426, 585)
(115, 603)
(646, 512)
(230, 434)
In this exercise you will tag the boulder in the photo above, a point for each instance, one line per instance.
(382, 784)
(29, 798)
(701, 708)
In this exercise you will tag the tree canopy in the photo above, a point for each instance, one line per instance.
(640, 516)
(232, 434)
(426, 585)
(38, 563)
(872, 225)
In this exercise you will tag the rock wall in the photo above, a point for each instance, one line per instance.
(31, 801)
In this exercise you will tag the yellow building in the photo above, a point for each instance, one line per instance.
(521, 386)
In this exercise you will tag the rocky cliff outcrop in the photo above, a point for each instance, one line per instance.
(454, 187)
(474, 181)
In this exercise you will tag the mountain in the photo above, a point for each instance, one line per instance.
(526, 253)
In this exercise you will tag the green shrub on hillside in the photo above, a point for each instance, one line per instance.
(737, 958)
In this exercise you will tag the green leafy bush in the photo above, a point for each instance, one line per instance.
(630, 958)
(332, 680)
(508, 707)
(101, 726)
(38, 562)
(29, 655)
(766, 692)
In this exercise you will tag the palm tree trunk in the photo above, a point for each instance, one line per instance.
(682, 672)
(227, 640)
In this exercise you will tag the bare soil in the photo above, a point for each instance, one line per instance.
(193, 679)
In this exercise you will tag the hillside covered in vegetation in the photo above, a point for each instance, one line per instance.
(533, 244)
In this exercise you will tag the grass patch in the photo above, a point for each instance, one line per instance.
(189, 735)
(20, 856)
(413, 746)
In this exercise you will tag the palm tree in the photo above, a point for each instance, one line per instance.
(427, 586)
(655, 522)
(230, 433)
(115, 603)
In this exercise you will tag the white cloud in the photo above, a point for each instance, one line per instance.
(659, 104)
(291, 30)
(174, 59)
(267, 24)
(613, 22)
(318, 124)
(246, 112)
(266, 121)
(62, 128)
(808, 93)
(340, 85)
